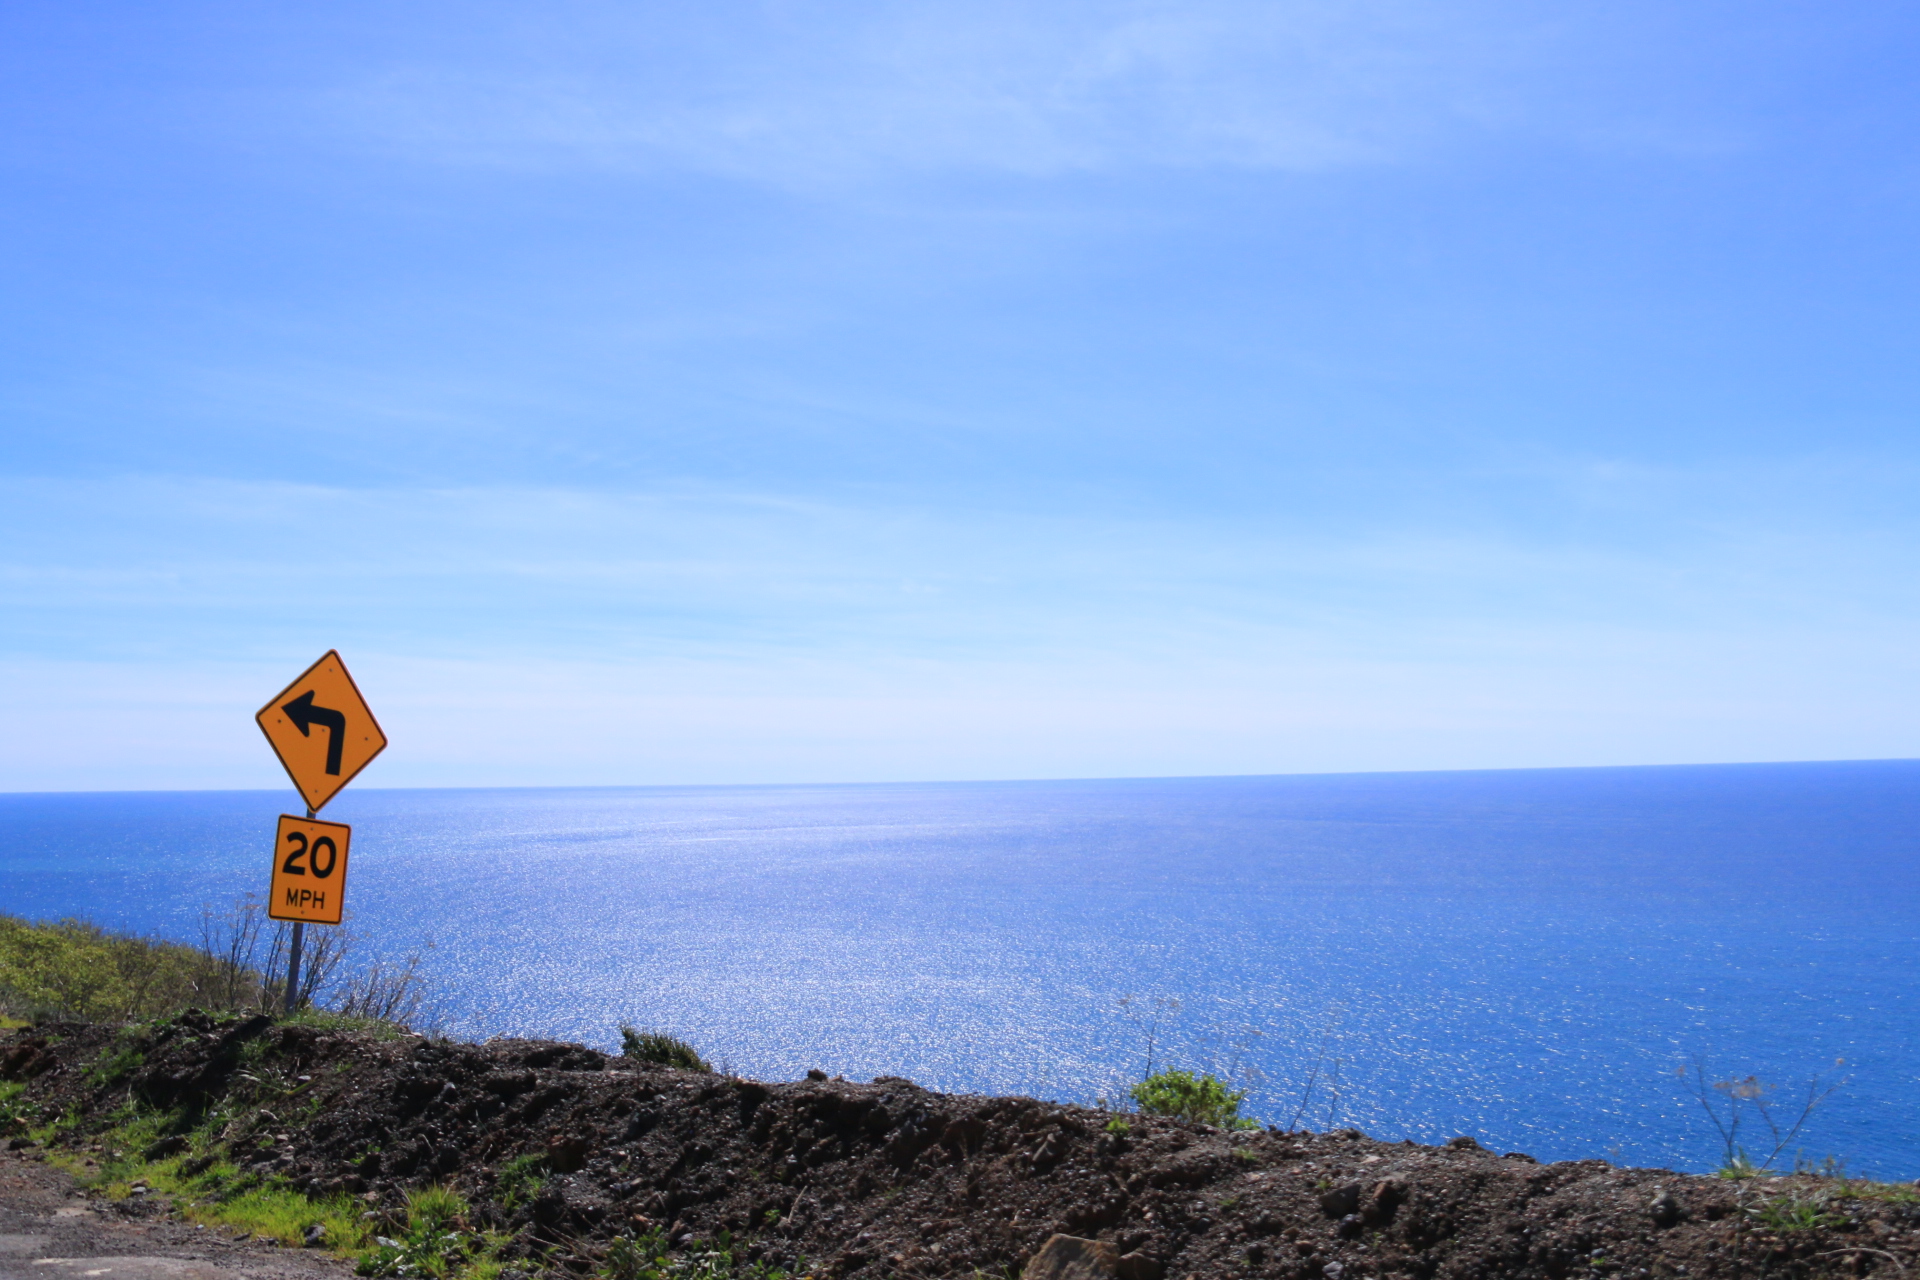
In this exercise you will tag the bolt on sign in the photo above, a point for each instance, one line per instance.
(322, 731)
(309, 870)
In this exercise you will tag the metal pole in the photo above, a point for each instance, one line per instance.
(293, 952)
(293, 962)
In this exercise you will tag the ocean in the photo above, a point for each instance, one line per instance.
(1525, 956)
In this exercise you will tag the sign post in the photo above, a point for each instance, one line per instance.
(309, 881)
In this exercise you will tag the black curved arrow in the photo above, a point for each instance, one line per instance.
(305, 715)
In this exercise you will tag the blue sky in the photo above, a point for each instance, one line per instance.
(803, 391)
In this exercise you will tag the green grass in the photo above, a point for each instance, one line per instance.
(216, 1191)
(126, 1055)
(1889, 1192)
(1794, 1213)
(278, 1212)
(17, 1114)
(518, 1180)
(435, 1244)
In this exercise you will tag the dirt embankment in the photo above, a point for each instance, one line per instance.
(888, 1179)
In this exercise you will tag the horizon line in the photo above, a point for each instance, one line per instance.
(991, 782)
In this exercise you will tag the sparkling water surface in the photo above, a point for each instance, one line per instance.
(1525, 956)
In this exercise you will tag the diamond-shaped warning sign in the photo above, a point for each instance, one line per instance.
(321, 729)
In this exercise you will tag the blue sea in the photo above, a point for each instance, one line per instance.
(1524, 956)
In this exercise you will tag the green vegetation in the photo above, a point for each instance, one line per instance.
(1185, 1096)
(1794, 1213)
(74, 969)
(1890, 1192)
(435, 1243)
(17, 1115)
(206, 1187)
(122, 1058)
(1119, 1127)
(519, 1180)
(645, 1257)
(657, 1046)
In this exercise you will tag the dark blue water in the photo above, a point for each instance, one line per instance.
(1523, 956)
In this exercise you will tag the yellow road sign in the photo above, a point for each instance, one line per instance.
(321, 729)
(309, 870)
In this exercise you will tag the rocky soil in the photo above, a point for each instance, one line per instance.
(888, 1179)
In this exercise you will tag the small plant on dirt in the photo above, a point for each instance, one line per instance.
(17, 1115)
(646, 1257)
(633, 1257)
(1118, 1127)
(657, 1046)
(433, 1245)
(119, 1060)
(1185, 1096)
(1793, 1213)
(1729, 1103)
(67, 1122)
(518, 1180)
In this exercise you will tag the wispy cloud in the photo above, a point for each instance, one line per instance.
(676, 569)
(518, 634)
(803, 93)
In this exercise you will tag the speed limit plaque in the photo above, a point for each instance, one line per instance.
(309, 870)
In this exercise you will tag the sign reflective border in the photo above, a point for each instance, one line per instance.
(309, 870)
(322, 730)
